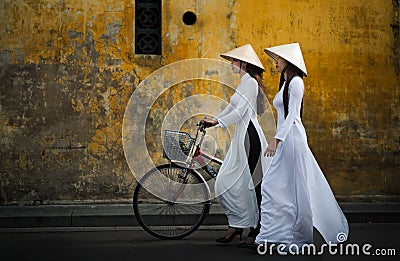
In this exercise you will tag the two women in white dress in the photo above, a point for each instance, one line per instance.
(295, 194)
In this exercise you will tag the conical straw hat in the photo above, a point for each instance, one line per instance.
(244, 53)
(289, 52)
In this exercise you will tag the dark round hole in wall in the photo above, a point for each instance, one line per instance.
(189, 18)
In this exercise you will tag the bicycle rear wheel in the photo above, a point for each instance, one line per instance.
(164, 217)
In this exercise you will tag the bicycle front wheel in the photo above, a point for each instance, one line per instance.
(165, 207)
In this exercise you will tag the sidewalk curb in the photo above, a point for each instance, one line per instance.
(118, 215)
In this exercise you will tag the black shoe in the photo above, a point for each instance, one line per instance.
(238, 232)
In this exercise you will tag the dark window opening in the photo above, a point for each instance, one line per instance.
(148, 27)
(189, 18)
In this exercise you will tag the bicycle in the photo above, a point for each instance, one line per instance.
(172, 200)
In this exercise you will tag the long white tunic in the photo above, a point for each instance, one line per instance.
(234, 187)
(295, 194)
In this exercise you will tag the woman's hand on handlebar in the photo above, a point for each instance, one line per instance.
(206, 122)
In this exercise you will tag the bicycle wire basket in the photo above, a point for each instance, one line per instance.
(177, 145)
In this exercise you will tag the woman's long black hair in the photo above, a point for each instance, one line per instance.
(257, 73)
(291, 71)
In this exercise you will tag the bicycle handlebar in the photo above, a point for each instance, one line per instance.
(202, 126)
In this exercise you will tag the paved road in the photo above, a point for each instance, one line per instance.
(131, 243)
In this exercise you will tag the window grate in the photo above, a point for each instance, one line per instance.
(148, 27)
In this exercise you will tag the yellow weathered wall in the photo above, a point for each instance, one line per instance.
(68, 68)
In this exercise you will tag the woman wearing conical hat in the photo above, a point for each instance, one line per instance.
(295, 194)
(234, 186)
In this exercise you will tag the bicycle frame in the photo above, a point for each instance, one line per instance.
(197, 156)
